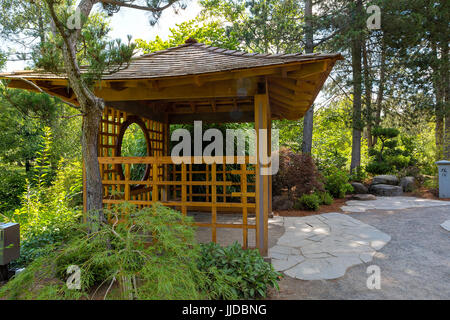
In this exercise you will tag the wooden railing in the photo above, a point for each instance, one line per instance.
(214, 187)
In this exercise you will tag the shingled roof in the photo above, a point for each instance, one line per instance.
(191, 58)
(195, 72)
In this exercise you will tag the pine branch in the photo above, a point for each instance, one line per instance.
(133, 6)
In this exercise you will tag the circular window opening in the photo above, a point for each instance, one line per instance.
(133, 141)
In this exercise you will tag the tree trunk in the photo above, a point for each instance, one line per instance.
(447, 137)
(308, 119)
(92, 108)
(446, 99)
(439, 97)
(94, 192)
(368, 95)
(381, 84)
(357, 88)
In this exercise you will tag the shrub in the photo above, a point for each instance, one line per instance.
(244, 271)
(308, 202)
(358, 175)
(336, 182)
(150, 254)
(388, 157)
(325, 198)
(297, 173)
(379, 168)
(13, 184)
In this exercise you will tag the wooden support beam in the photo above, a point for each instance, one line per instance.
(309, 69)
(288, 102)
(212, 117)
(227, 88)
(139, 108)
(293, 95)
(262, 116)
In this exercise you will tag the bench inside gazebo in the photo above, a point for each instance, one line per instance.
(179, 86)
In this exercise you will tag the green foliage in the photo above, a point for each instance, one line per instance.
(325, 198)
(332, 136)
(336, 182)
(2, 60)
(358, 175)
(388, 158)
(153, 248)
(290, 133)
(308, 202)
(13, 184)
(134, 145)
(141, 254)
(47, 205)
(213, 33)
(264, 26)
(244, 272)
(24, 117)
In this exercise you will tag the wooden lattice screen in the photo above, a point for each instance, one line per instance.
(111, 125)
(214, 188)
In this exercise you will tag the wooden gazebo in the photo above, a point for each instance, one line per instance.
(178, 86)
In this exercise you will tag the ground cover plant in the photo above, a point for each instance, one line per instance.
(149, 253)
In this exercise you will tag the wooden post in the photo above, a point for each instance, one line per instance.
(127, 182)
(155, 191)
(183, 189)
(214, 201)
(244, 191)
(262, 116)
(166, 137)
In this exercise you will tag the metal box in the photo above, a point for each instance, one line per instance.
(9, 242)
(444, 178)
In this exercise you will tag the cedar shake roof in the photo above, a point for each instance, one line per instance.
(189, 59)
(177, 82)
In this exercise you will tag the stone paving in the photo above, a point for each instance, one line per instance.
(323, 246)
(446, 225)
(391, 203)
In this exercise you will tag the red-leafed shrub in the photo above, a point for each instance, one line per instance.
(297, 174)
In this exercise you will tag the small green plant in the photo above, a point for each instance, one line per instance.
(149, 254)
(308, 202)
(245, 272)
(336, 182)
(358, 175)
(325, 198)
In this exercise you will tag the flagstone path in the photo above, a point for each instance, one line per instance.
(391, 203)
(446, 225)
(323, 246)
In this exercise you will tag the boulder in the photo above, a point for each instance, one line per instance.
(281, 203)
(358, 187)
(407, 184)
(364, 197)
(385, 179)
(386, 190)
